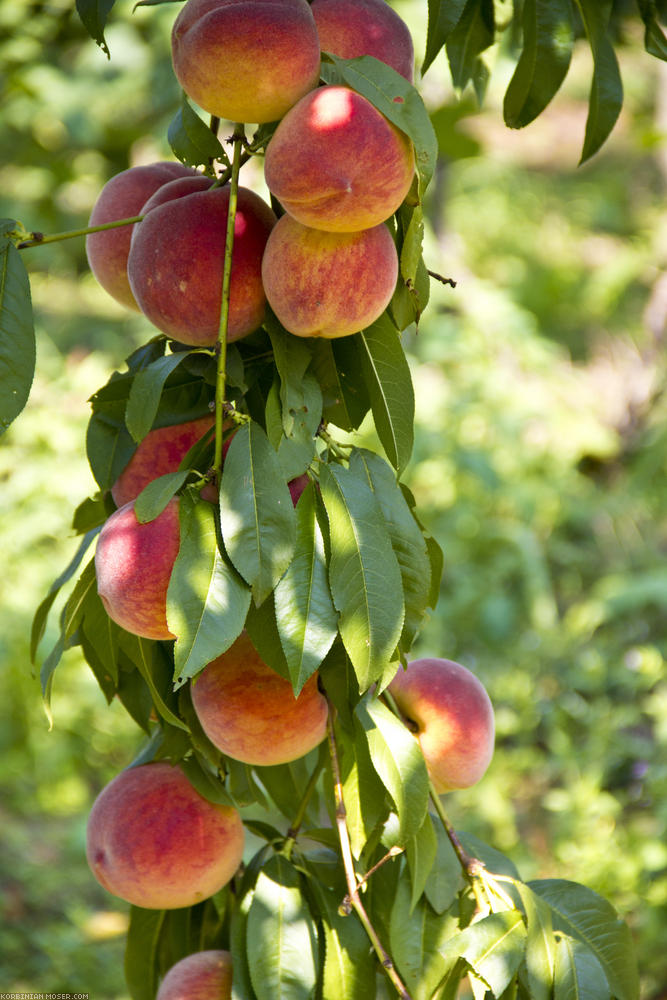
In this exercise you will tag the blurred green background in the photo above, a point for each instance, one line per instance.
(539, 465)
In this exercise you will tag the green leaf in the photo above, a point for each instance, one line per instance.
(416, 937)
(349, 969)
(398, 760)
(207, 601)
(191, 140)
(151, 662)
(285, 782)
(103, 634)
(445, 879)
(238, 947)
(442, 19)
(397, 100)
(281, 936)
(583, 914)
(292, 357)
(109, 445)
(496, 862)
(156, 495)
(494, 947)
(141, 952)
(655, 42)
(540, 944)
(256, 511)
(144, 397)
(42, 612)
(421, 851)
(262, 627)
(344, 392)
(73, 612)
(578, 974)
(389, 384)
(474, 32)
(94, 14)
(548, 38)
(306, 618)
(606, 96)
(364, 576)
(407, 540)
(92, 513)
(17, 336)
(363, 792)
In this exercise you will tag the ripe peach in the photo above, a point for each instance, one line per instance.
(123, 197)
(351, 28)
(336, 163)
(160, 452)
(133, 564)
(153, 840)
(453, 717)
(204, 975)
(246, 60)
(250, 713)
(176, 260)
(328, 284)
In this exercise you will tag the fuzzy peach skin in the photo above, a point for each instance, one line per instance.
(160, 452)
(453, 717)
(204, 975)
(153, 840)
(336, 163)
(351, 28)
(328, 284)
(250, 713)
(246, 60)
(123, 197)
(133, 564)
(176, 261)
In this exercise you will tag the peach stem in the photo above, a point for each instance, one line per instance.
(353, 900)
(237, 139)
(36, 239)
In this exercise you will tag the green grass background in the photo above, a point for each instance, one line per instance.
(539, 465)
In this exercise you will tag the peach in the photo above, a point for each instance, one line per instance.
(351, 28)
(336, 163)
(328, 284)
(246, 60)
(451, 714)
(123, 197)
(160, 452)
(153, 840)
(249, 712)
(133, 564)
(176, 260)
(204, 975)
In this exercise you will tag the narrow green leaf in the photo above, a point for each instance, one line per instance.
(148, 659)
(238, 947)
(407, 540)
(42, 612)
(421, 851)
(292, 357)
(17, 336)
(442, 19)
(578, 974)
(94, 14)
(156, 495)
(364, 576)
(86, 583)
(92, 513)
(655, 42)
(262, 627)
(540, 944)
(109, 445)
(281, 936)
(437, 561)
(336, 367)
(144, 398)
(389, 384)
(256, 511)
(493, 946)
(349, 969)
(191, 140)
(397, 100)
(548, 38)
(606, 96)
(141, 952)
(446, 878)
(103, 634)
(399, 762)
(364, 794)
(285, 782)
(417, 938)
(306, 618)
(207, 601)
(583, 914)
(474, 32)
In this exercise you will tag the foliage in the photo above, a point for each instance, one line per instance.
(492, 609)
